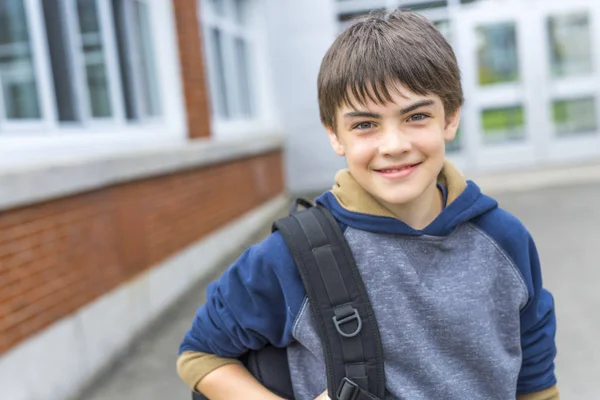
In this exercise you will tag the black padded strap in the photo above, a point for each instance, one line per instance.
(345, 320)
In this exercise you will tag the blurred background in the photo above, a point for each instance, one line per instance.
(143, 143)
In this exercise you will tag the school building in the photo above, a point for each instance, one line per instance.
(141, 141)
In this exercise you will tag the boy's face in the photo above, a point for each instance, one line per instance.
(395, 151)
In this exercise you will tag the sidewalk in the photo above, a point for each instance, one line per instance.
(148, 371)
(564, 222)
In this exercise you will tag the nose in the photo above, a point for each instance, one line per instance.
(394, 142)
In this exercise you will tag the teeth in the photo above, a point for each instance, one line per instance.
(396, 170)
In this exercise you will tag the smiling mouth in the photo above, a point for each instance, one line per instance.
(392, 170)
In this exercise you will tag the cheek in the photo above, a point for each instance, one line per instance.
(360, 152)
(431, 142)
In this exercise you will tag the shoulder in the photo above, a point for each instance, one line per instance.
(502, 226)
(514, 239)
(270, 256)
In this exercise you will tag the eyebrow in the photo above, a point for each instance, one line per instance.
(418, 104)
(405, 110)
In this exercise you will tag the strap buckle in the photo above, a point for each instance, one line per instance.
(348, 390)
(344, 320)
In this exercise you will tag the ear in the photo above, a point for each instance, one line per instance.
(336, 144)
(451, 126)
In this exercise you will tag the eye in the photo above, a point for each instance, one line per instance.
(363, 126)
(418, 117)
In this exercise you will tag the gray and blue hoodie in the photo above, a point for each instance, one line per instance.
(460, 305)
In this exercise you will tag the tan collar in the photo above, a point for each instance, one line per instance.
(354, 198)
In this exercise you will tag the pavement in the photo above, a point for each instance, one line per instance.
(564, 222)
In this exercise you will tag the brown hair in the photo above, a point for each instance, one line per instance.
(379, 51)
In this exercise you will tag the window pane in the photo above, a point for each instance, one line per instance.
(444, 27)
(19, 89)
(574, 116)
(93, 53)
(497, 54)
(351, 16)
(502, 124)
(218, 6)
(98, 86)
(146, 61)
(347, 19)
(216, 73)
(570, 49)
(241, 53)
(241, 11)
(424, 5)
(58, 45)
(125, 51)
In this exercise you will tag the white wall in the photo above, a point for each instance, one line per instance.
(299, 34)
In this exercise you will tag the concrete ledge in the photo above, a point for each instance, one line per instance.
(60, 361)
(539, 178)
(28, 185)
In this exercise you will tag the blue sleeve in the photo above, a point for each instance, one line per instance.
(538, 330)
(538, 321)
(254, 303)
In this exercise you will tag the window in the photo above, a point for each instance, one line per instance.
(136, 57)
(497, 54)
(100, 59)
(570, 45)
(19, 92)
(422, 6)
(230, 48)
(503, 124)
(444, 27)
(574, 116)
(60, 59)
(94, 59)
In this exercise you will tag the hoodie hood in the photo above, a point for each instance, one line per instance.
(355, 207)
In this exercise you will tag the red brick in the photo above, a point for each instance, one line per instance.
(61, 255)
(192, 67)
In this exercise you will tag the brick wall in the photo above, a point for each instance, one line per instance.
(57, 256)
(192, 67)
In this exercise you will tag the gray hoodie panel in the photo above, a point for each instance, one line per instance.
(448, 312)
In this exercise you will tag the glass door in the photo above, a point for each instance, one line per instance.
(570, 77)
(495, 56)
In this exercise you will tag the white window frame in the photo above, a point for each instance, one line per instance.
(41, 68)
(104, 11)
(44, 80)
(263, 120)
(23, 142)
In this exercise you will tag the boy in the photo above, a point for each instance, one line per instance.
(454, 280)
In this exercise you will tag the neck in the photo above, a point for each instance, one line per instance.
(422, 211)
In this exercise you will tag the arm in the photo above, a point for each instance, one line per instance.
(219, 378)
(254, 303)
(193, 366)
(222, 372)
(538, 331)
(547, 394)
(233, 381)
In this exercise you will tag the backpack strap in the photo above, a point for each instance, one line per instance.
(339, 302)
